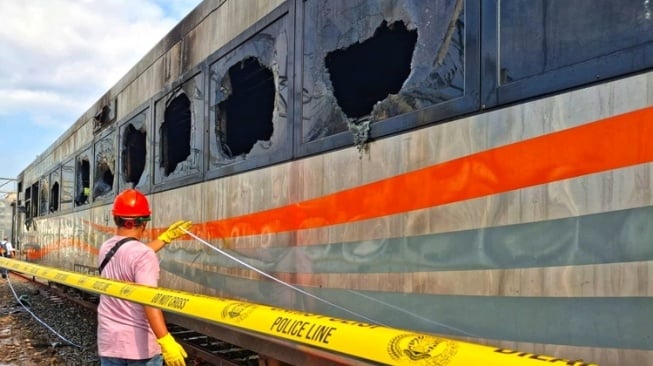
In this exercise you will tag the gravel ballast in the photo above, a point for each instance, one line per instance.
(39, 328)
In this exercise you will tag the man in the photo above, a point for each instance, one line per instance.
(128, 332)
(7, 251)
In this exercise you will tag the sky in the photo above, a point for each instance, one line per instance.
(58, 57)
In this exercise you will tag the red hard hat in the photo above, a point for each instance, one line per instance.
(131, 203)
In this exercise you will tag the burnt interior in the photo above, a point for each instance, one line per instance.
(43, 197)
(35, 199)
(28, 207)
(54, 197)
(104, 117)
(83, 181)
(28, 202)
(175, 133)
(103, 178)
(31, 202)
(365, 73)
(245, 117)
(134, 154)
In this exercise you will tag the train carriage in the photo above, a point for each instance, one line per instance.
(470, 168)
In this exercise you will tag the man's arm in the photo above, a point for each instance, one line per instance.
(157, 321)
(173, 232)
(156, 244)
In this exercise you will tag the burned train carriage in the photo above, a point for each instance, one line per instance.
(472, 168)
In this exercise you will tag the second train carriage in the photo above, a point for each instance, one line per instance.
(477, 169)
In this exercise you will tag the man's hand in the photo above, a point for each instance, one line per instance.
(175, 231)
(173, 353)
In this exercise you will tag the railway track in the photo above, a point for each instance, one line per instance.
(212, 350)
(204, 350)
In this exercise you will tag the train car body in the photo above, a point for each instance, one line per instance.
(476, 169)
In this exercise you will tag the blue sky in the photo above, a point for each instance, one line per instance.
(57, 57)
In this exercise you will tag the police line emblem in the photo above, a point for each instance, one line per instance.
(422, 350)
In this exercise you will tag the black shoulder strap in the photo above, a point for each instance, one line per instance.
(113, 251)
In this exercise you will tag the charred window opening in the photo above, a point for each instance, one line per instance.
(54, 197)
(43, 197)
(35, 199)
(28, 202)
(134, 154)
(366, 73)
(105, 115)
(245, 117)
(31, 205)
(392, 61)
(83, 186)
(103, 177)
(175, 133)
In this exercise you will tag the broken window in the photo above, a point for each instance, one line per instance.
(28, 203)
(360, 82)
(366, 61)
(54, 197)
(179, 139)
(175, 133)
(31, 205)
(43, 196)
(83, 179)
(245, 116)
(106, 113)
(54, 191)
(104, 167)
(20, 198)
(248, 102)
(67, 184)
(134, 152)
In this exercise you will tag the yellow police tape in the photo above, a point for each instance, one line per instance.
(367, 341)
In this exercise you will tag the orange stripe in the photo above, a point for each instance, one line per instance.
(149, 233)
(612, 143)
(38, 253)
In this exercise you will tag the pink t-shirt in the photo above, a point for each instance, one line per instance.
(123, 329)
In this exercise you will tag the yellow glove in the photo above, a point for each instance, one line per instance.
(173, 353)
(175, 231)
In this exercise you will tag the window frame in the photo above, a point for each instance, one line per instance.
(110, 135)
(284, 149)
(68, 162)
(590, 72)
(437, 113)
(87, 150)
(146, 185)
(198, 133)
(56, 172)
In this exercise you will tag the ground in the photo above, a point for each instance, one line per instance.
(48, 330)
(23, 340)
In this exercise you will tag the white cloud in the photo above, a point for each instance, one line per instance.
(74, 48)
(53, 108)
(68, 44)
(57, 57)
